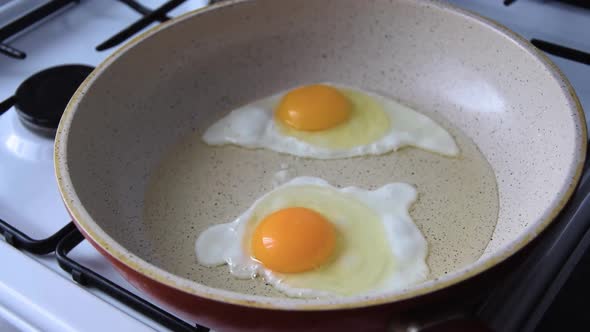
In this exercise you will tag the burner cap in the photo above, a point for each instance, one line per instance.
(42, 98)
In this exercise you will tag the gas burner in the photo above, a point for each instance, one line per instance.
(42, 98)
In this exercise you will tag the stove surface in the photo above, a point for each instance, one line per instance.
(35, 293)
(42, 297)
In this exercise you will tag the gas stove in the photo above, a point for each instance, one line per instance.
(53, 280)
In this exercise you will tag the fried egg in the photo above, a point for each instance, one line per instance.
(307, 238)
(328, 121)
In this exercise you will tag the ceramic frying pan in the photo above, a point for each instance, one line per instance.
(141, 185)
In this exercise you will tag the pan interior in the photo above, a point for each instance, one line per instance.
(139, 109)
(196, 186)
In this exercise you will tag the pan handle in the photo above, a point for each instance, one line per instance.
(7, 104)
(452, 323)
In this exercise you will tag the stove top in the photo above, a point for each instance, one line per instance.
(37, 291)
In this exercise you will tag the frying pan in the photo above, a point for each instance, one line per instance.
(173, 81)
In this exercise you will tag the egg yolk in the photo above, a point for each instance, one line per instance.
(293, 240)
(313, 108)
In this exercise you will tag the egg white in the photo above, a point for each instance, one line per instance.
(254, 126)
(389, 257)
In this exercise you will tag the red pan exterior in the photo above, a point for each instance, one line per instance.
(229, 317)
(222, 316)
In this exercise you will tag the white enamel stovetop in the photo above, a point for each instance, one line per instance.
(41, 297)
(35, 294)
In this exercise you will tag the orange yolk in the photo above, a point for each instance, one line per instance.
(293, 240)
(313, 107)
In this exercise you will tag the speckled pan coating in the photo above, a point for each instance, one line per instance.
(452, 65)
(196, 186)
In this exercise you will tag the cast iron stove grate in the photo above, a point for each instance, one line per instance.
(88, 278)
(36, 16)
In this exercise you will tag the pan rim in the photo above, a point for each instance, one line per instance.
(116, 251)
